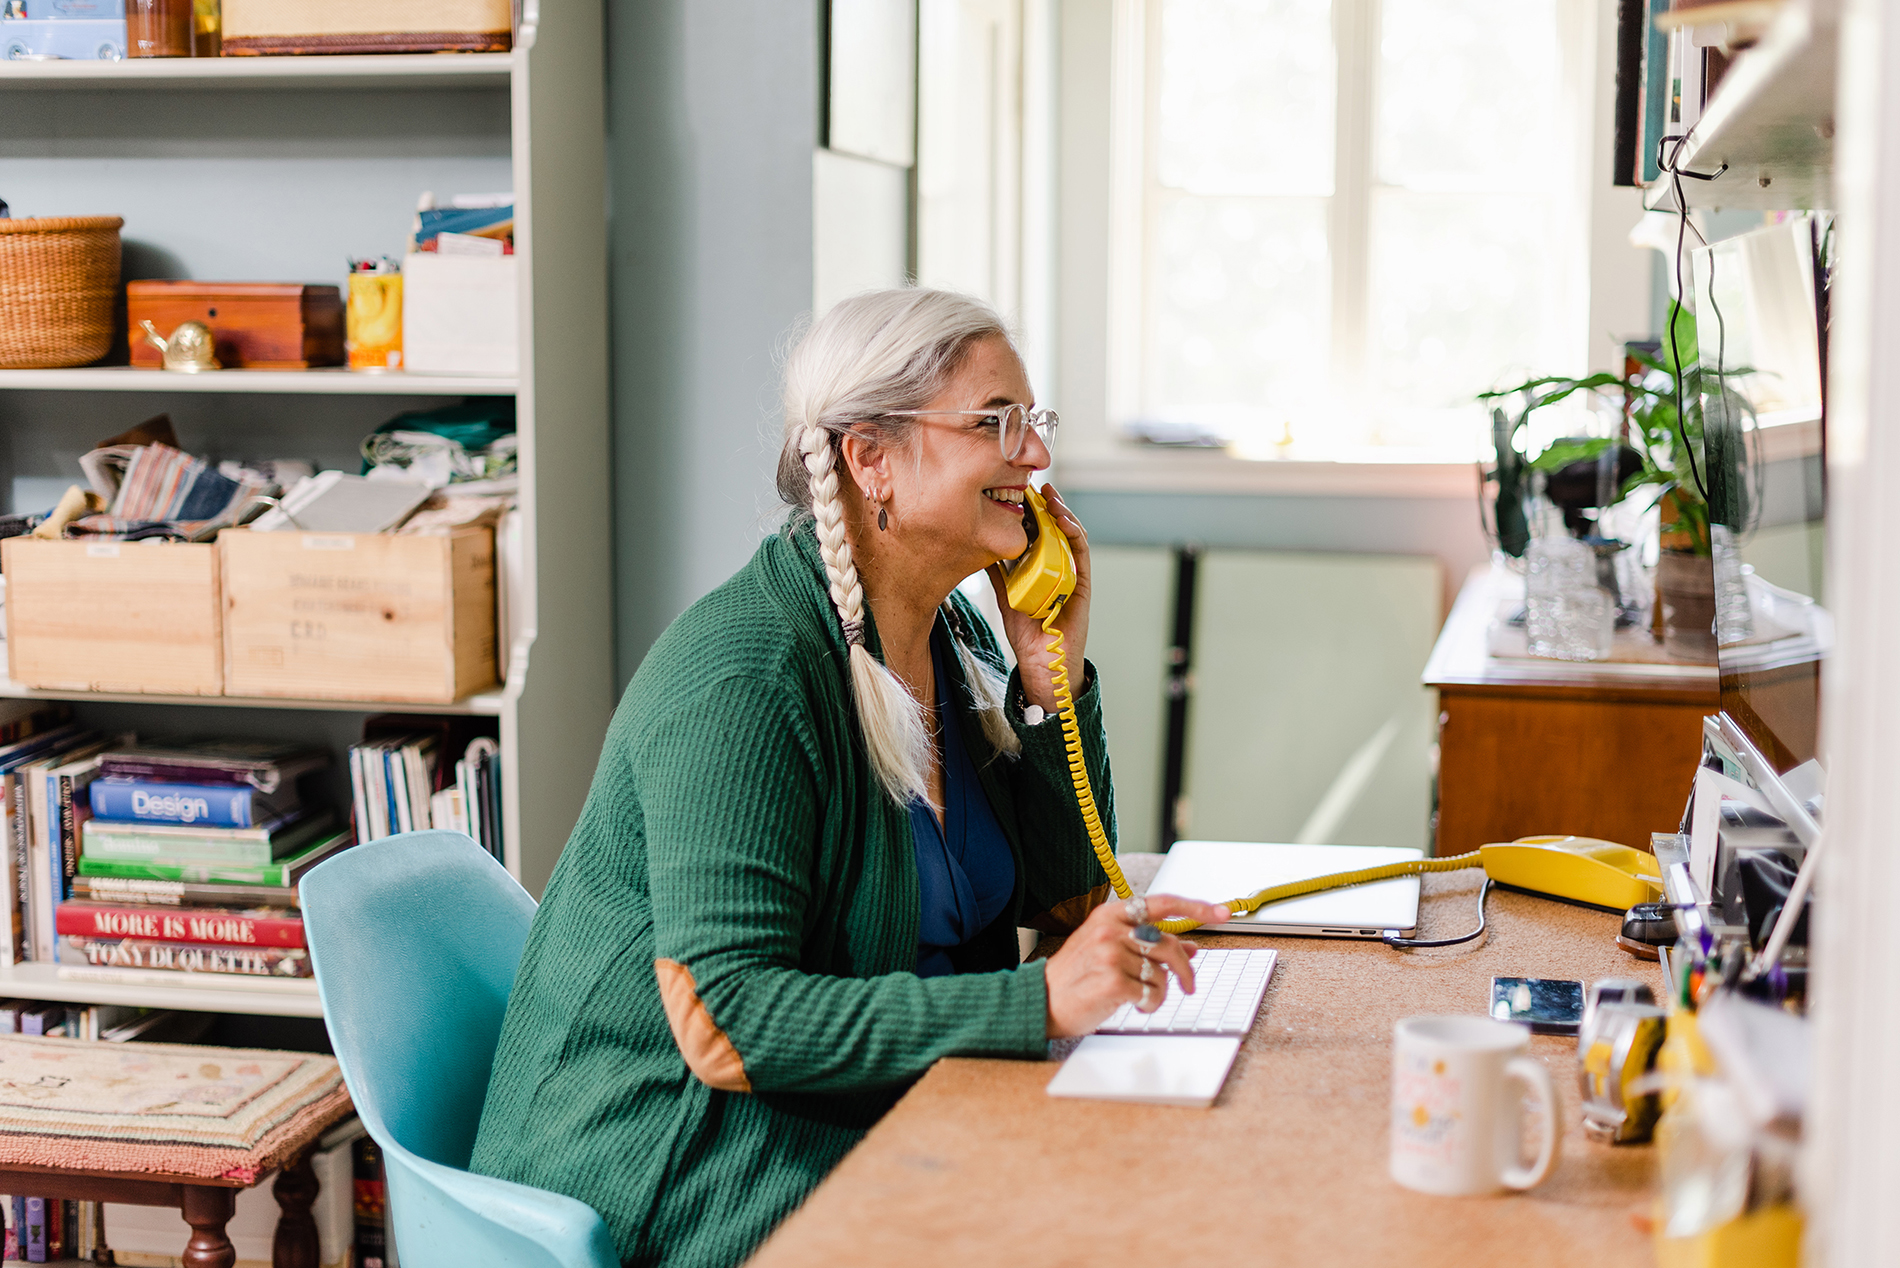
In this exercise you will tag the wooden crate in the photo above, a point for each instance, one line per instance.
(359, 616)
(113, 616)
(273, 28)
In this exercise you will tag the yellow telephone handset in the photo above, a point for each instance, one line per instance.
(1041, 579)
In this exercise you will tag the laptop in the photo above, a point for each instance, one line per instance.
(1215, 871)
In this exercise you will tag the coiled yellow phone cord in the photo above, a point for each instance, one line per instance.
(1098, 836)
(1078, 766)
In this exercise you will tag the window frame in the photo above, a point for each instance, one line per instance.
(1120, 218)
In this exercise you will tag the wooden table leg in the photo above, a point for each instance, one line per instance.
(295, 1245)
(101, 1250)
(208, 1210)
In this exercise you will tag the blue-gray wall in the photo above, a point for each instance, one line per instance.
(712, 116)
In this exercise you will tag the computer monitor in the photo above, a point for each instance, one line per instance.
(1761, 318)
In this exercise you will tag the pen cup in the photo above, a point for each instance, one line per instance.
(1457, 1112)
(373, 321)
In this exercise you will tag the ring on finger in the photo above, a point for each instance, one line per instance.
(1146, 938)
(1147, 996)
(1147, 971)
(1136, 909)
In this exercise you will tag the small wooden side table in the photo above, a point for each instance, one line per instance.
(1604, 749)
(173, 1125)
(207, 1205)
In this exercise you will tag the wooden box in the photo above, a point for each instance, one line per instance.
(113, 616)
(359, 616)
(255, 325)
(276, 27)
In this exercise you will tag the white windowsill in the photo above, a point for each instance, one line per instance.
(1159, 469)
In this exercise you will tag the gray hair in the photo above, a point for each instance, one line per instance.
(868, 356)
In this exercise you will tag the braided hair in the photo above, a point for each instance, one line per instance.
(869, 355)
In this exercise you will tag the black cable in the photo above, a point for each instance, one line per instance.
(1180, 675)
(1391, 936)
(1675, 317)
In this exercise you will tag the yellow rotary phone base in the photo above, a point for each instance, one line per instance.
(1579, 870)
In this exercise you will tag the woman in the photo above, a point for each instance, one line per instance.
(818, 819)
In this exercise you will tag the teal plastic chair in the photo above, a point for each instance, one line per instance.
(415, 939)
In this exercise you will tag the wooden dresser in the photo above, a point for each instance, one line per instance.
(1605, 749)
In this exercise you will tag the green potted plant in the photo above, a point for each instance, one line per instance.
(1691, 465)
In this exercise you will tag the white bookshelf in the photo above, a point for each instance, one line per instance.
(1771, 120)
(557, 693)
(203, 993)
(328, 381)
(482, 704)
(392, 70)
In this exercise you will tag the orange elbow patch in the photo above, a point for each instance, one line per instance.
(1067, 916)
(709, 1053)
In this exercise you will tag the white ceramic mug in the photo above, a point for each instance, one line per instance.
(1457, 1111)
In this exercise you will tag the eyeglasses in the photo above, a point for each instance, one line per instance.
(1012, 424)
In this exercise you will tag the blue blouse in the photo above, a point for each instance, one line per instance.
(965, 872)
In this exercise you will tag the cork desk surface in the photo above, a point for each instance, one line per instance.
(977, 1165)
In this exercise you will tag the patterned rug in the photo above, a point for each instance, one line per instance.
(180, 1109)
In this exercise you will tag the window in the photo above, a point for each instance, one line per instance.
(1335, 221)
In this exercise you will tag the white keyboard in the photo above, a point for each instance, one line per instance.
(1228, 985)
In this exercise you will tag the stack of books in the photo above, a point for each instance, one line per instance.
(102, 1023)
(190, 858)
(398, 782)
(46, 763)
(51, 1230)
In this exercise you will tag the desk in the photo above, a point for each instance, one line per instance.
(976, 1165)
(1605, 749)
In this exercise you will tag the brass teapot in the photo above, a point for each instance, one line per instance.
(188, 350)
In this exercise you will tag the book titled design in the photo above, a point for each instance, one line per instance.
(184, 957)
(282, 873)
(210, 805)
(263, 928)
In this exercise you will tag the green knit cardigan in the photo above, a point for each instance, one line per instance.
(718, 996)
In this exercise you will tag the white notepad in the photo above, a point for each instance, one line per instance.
(1185, 1070)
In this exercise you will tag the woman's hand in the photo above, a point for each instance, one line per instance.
(1102, 965)
(1025, 632)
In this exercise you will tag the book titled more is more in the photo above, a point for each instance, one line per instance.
(259, 928)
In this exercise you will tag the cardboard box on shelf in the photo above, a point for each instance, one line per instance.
(460, 314)
(359, 616)
(114, 616)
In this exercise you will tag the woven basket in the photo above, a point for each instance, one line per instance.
(59, 281)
